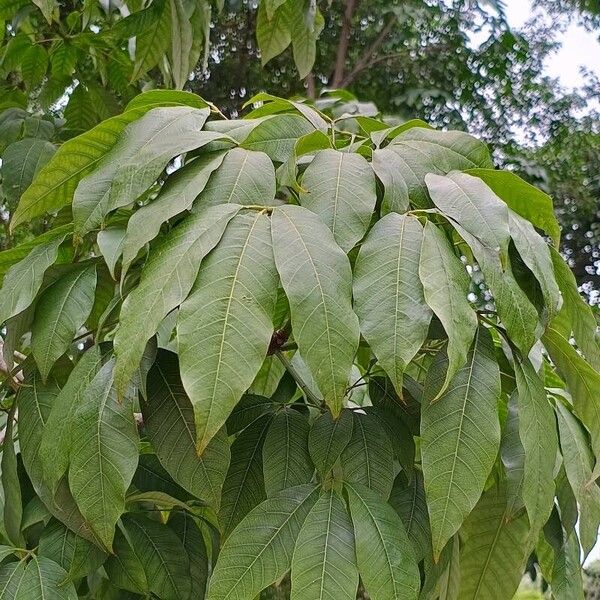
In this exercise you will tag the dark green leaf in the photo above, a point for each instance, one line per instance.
(327, 439)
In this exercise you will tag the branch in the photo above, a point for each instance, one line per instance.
(342, 50)
(365, 60)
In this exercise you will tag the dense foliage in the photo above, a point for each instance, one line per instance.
(291, 344)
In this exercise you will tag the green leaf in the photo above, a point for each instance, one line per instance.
(327, 439)
(522, 197)
(286, 461)
(169, 424)
(74, 554)
(24, 279)
(368, 459)
(495, 572)
(244, 486)
(324, 561)
(272, 31)
(408, 500)
(566, 581)
(471, 204)
(385, 559)
(110, 243)
(45, 579)
(513, 458)
(446, 286)
(460, 437)
(55, 184)
(247, 410)
(181, 41)
(410, 156)
(136, 161)
(176, 196)
(162, 555)
(340, 188)
(34, 63)
(48, 8)
(305, 23)
(579, 462)
(11, 577)
(224, 327)
(388, 294)
(20, 163)
(316, 277)
(104, 454)
(166, 280)
(152, 43)
(61, 311)
(537, 430)
(124, 567)
(259, 551)
(11, 487)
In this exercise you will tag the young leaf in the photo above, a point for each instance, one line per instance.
(340, 188)
(316, 277)
(259, 551)
(60, 312)
(460, 437)
(446, 286)
(169, 423)
(385, 559)
(368, 459)
(388, 294)
(324, 561)
(225, 325)
(166, 281)
(104, 454)
(286, 462)
(327, 439)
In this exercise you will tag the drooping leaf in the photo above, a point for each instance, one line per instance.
(446, 286)
(327, 439)
(153, 42)
(11, 487)
(385, 558)
(61, 311)
(368, 459)
(316, 277)
(566, 580)
(388, 294)
(460, 437)
(110, 243)
(259, 551)
(11, 577)
(44, 579)
(513, 458)
(225, 325)
(272, 31)
(166, 280)
(169, 423)
(104, 454)
(182, 39)
(286, 461)
(340, 188)
(124, 567)
(324, 561)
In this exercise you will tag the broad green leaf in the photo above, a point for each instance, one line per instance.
(6, 551)
(522, 197)
(316, 277)
(306, 23)
(104, 454)
(418, 151)
(110, 243)
(136, 161)
(60, 312)
(162, 555)
(324, 561)
(583, 382)
(247, 410)
(340, 188)
(166, 280)
(269, 104)
(176, 196)
(225, 325)
(20, 163)
(182, 39)
(11, 577)
(49, 8)
(169, 424)
(385, 559)
(566, 579)
(449, 582)
(494, 552)
(74, 554)
(55, 184)
(408, 500)
(55, 444)
(272, 31)
(24, 279)
(460, 437)
(579, 462)
(266, 381)
(468, 201)
(445, 287)
(286, 461)
(245, 178)
(537, 430)
(368, 459)
(327, 439)
(11, 487)
(244, 486)
(152, 43)
(43, 579)
(388, 294)
(124, 567)
(259, 551)
(513, 458)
